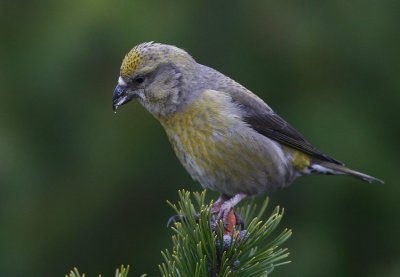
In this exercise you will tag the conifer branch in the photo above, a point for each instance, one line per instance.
(200, 247)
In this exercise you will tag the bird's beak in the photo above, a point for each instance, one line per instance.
(121, 96)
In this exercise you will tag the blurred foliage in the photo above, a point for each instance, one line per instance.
(78, 182)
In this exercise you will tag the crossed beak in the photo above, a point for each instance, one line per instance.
(121, 96)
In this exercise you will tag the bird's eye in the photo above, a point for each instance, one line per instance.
(138, 80)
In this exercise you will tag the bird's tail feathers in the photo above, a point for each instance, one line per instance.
(336, 169)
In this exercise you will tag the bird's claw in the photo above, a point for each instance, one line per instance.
(180, 218)
(239, 220)
(173, 219)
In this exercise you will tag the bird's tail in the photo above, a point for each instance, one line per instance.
(331, 168)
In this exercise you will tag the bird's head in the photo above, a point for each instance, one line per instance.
(154, 74)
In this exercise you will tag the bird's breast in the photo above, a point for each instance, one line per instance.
(219, 150)
(199, 132)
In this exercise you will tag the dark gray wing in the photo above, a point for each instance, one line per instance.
(266, 122)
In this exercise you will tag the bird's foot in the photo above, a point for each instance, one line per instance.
(231, 219)
(223, 208)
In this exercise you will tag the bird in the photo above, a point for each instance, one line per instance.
(226, 137)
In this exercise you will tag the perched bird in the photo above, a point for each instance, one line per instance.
(226, 137)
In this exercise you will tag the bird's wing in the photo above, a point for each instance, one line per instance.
(265, 121)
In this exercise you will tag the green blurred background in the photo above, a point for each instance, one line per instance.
(81, 186)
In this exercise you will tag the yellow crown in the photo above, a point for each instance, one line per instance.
(133, 58)
(130, 62)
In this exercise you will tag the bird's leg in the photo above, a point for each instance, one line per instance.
(223, 207)
(217, 204)
(229, 204)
